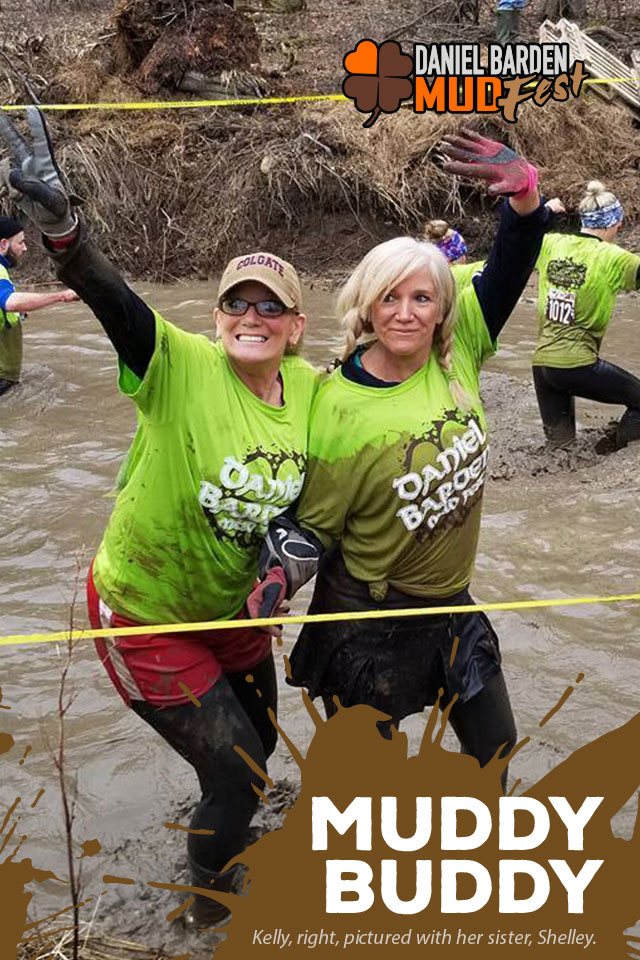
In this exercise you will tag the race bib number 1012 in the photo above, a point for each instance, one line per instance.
(561, 307)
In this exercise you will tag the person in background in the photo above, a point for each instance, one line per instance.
(447, 240)
(14, 306)
(581, 275)
(452, 244)
(508, 15)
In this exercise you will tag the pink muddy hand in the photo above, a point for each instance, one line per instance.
(472, 155)
(267, 597)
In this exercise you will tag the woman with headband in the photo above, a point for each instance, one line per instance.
(397, 458)
(449, 241)
(580, 277)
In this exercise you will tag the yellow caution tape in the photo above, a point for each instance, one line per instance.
(177, 104)
(75, 635)
(238, 102)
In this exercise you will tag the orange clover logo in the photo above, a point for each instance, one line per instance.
(379, 78)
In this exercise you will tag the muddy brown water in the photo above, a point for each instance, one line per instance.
(555, 526)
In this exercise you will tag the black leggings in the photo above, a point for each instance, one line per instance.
(556, 388)
(6, 385)
(231, 713)
(482, 724)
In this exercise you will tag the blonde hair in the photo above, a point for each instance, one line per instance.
(596, 197)
(380, 271)
(435, 230)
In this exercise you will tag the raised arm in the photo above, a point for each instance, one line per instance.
(522, 226)
(40, 190)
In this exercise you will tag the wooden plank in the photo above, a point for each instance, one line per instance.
(600, 63)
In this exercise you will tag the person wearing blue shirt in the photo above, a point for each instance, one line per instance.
(14, 306)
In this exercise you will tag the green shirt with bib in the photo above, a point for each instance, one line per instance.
(580, 278)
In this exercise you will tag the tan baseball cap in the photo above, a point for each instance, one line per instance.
(274, 272)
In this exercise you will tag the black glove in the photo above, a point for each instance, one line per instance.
(288, 559)
(34, 180)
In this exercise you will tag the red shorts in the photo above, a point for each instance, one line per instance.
(150, 666)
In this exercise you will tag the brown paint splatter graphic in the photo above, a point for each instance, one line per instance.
(90, 848)
(254, 766)
(348, 758)
(198, 833)
(561, 702)
(14, 899)
(454, 650)
(188, 693)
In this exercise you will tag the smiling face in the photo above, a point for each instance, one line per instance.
(252, 341)
(404, 321)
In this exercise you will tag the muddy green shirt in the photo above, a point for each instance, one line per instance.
(210, 466)
(580, 277)
(396, 474)
(463, 273)
(10, 337)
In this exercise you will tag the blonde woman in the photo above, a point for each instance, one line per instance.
(580, 278)
(398, 451)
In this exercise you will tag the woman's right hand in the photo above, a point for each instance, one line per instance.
(34, 179)
(471, 155)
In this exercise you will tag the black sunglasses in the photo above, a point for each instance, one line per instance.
(236, 307)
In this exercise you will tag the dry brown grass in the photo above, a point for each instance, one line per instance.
(176, 193)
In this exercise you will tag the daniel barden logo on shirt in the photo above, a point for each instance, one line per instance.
(449, 483)
(459, 78)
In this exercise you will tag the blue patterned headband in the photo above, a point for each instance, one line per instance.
(453, 247)
(603, 217)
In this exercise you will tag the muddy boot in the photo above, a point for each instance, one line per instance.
(507, 25)
(515, 24)
(204, 914)
(503, 26)
(628, 429)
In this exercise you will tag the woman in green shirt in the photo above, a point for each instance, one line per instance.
(220, 451)
(398, 450)
(580, 278)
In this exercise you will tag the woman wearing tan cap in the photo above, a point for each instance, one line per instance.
(220, 451)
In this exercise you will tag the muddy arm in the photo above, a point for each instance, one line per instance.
(128, 321)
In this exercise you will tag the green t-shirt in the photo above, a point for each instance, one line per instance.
(210, 465)
(463, 273)
(10, 340)
(396, 473)
(580, 277)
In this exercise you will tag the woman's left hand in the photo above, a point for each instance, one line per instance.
(472, 155)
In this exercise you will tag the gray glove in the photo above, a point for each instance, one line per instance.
(34, 179)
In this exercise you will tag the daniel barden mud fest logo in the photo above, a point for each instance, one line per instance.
(459, 77)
